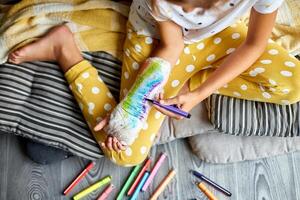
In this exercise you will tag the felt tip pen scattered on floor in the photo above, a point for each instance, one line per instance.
(79, 178)
(139, 177)
(154, 171)
(210, 182)
(139, 187)
(128, 182)
(93, 187)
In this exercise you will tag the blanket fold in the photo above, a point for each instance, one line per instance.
(98, 25)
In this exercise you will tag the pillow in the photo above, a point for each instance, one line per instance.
(197, 124)
(36, 103)
(250, 118)
(215, 147)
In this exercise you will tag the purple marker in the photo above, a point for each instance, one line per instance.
(171, 108)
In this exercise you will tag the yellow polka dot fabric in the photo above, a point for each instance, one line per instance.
(273, 78)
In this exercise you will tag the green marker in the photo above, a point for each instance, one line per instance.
(93, 187)
(128, 182)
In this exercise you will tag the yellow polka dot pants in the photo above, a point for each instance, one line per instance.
(274, 78)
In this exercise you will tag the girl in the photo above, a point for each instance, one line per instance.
(180, 40)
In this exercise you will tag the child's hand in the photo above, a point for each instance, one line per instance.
(111, 143)
(185, 102)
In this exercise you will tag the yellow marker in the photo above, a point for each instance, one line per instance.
(92, 188)
(163, 184)
(205, 190)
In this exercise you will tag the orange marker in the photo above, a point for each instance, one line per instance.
(163, 184)
(205, 190)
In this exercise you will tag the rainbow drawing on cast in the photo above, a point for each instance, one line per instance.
(128, 118)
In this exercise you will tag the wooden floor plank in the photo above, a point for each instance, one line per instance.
(273, 178)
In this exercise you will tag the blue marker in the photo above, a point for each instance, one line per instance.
(139, 187)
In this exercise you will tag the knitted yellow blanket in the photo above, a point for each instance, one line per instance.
(98, 25)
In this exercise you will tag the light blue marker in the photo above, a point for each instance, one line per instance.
(139, 187)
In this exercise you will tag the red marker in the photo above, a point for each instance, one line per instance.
(139, 177)
(79, 178)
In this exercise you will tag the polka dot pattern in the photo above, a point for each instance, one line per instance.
(266, 62)
(148, 40)
(95, 90)
(157, 115)
(286, 73)
(289, 64)
(126, 75)
(135, 66)
(175, 83)
(200, 46)
(285, 91)
(230, 50)
(189, 68)
(237, 94)
(186, 50)
(85, 75)
(217, 40)
(107, 107)
(128, 151)
(244, 87)
(109, 95)
(143, 150)
(273, 52)
(152, 137)
(211, 57)
(138, 48)
(272, 82)
(235, 36)
(266, 95)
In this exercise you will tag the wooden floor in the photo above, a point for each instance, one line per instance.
(276, 178)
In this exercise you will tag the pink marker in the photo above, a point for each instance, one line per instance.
(106, 192)
(154, 171)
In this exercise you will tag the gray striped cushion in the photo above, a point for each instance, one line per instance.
(35, 102)
(249, 118)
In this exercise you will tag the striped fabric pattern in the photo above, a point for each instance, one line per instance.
(35, 102)
(249, 118)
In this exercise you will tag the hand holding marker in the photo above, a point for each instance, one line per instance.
(172, 108)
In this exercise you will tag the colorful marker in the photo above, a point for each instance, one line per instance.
(206, 191)
(154, 171)
(79, 178)
(171, 108)
(212, 183)
(93, 187)
(140, 185)
(128, 182)
(106, 192)
(163, 185)
(138, 178)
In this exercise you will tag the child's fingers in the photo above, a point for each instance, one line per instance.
(101, 124)
(103, 145)
(114, 144)
(168, 113)
(120, 146)
(109, 143)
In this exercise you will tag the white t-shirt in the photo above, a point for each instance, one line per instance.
(197, 24)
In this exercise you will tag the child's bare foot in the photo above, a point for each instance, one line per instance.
(57, 45)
